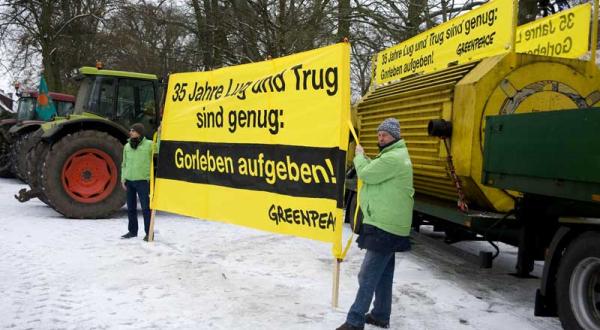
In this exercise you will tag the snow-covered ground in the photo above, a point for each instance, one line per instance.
(57, 273)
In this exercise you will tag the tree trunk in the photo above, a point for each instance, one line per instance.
(280, 32)
(217, 41)
(205, 42)
(415, 13)
(444, 4)
(243, 14)
(344, 12)
(49, 58)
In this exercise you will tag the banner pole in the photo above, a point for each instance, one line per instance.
(336, 283)
(151, 229)
(155, 151)
(152, 211)
(339, 253)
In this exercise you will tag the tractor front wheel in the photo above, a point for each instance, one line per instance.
(81, 174)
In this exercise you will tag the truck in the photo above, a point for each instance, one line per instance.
(75, 163)
(558, 177)
(494, 159)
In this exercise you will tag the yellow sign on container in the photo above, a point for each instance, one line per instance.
(482, 32)
(564, 34)
(260, 145)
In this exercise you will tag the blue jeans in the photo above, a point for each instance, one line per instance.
(141, 189)
(375, 278)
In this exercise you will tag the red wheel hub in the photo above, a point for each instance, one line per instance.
(89, 175)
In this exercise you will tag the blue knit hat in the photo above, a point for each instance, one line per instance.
(390, 125)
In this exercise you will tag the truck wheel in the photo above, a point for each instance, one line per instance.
(578, 284)
(21, 147)
(36, 159)
(81, 175)
(4, 154)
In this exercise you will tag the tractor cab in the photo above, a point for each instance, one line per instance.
(26, 107)
(122, 97)
(27, 103)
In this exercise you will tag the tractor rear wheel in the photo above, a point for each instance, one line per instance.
(21, 147)
(80, 177)
(4, 154)
(36, 159)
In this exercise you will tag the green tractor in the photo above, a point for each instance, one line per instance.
(75, 164)
(15, 133)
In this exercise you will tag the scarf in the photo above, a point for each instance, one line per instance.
(381, 147)
(135, 142)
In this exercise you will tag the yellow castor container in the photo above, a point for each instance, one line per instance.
(465, 95)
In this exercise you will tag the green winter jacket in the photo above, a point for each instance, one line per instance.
(136, 162)
(386, 197)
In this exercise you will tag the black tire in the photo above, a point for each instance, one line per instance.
(21, 146)
(578, 283)
(36, 159)
(73, 148)
(5, 146)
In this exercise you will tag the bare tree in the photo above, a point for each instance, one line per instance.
(147, 37)
(161, 36)
(53, 31)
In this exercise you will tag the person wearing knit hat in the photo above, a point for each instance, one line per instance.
(386, 202)
(135, 178)
(392, 126)
(139, 128)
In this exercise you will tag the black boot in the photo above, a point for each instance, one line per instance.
(369, 319)
(348, 326)
(128, 235)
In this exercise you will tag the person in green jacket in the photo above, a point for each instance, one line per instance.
(386, 201)
(135, 178)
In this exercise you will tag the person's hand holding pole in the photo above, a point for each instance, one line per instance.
(359, 150)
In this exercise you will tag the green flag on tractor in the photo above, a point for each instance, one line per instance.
(45, 107)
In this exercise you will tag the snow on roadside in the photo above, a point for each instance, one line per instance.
(78, 274)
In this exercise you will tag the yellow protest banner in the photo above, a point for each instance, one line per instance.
(260, 145)
(564, 34)
(481, 32)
